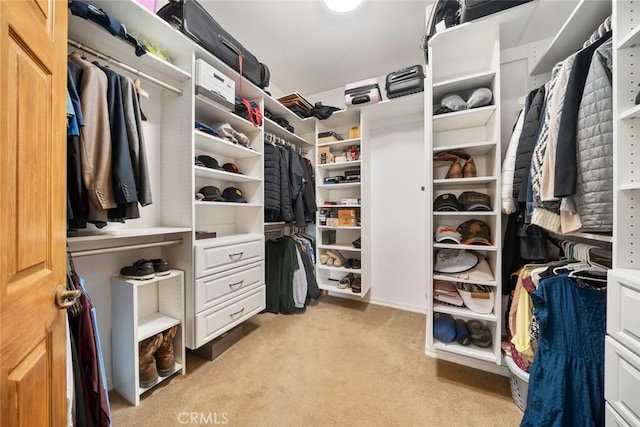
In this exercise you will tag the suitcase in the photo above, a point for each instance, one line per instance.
(190, 18)
(474, 9)
(405, 82)
(362, 92)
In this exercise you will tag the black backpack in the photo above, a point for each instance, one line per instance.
(443, 10)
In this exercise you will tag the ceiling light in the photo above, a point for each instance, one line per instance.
(342, 6)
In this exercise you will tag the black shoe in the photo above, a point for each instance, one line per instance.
(349, 263)
(161, 266)
(356, 243)
(356, 264)
(140, 270)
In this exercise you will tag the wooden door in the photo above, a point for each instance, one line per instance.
(33, 39)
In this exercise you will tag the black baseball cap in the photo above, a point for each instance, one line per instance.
(474, 201)
(233, 194)
(212, 194)
(209, 162)
(231, 167)
(445, 202)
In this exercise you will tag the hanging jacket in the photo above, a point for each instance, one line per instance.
(271, 183)
(594, 180)
(309, 194)
(525, 146)
(286, 210)
(508, 167)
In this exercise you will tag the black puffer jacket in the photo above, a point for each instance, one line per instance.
(526, 145)
(272, 161)
(286, 209)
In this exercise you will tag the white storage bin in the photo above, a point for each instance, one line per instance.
(519, 382)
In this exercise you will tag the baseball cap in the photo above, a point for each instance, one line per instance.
(446, 292)
(209, 162)
(446, 234)
(475, 232)
(454, 261)
(443, 327)
(477, 298)
(233, 194)
(231, 167)
(474, 201)
(445, 202)
(211, 194)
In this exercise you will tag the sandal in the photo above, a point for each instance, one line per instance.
(346, 281)
(356, 286)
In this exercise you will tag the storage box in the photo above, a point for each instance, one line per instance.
(354, 132)
(347, 217)
(324, 156)
(328, 237)
(350, 201)
(219, 345)
(214, 85)
(333, 222)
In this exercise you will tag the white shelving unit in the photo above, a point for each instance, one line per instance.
(622, 347)
(458, 65)
(141, 309)
(328, 276)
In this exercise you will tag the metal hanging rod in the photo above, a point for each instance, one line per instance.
(123, 248)
(124, 66)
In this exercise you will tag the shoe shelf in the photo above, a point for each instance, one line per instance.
(340, 145)
(460, 280)
(475, 149)
(210, 112)
(474, 117)
(339, 248)
(484, 354)
(344, 269)
(463, 181)
(340, 166)
(124, 233)
(142, 390)
(334, 288)
(274, 128)
(209, 143)
(463, 312)
(141, 309)
(207, 173)
(457, 84)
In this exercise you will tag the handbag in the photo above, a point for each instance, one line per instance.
(249, 110)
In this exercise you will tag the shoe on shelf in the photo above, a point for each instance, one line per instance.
(324, 258)
(338, 258)
(348, 263)
(165, 359)
(148, 373)
(346, 281)
(356, 243)
(469, 169)
(161, 266)
(140, 270)
(356, 285)
(356, 264)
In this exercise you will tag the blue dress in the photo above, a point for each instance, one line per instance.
(566, 382)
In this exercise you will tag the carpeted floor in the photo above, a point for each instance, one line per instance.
(342, 363)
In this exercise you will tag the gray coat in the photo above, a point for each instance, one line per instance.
(594, 185)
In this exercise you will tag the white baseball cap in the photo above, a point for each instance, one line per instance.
(446, 234)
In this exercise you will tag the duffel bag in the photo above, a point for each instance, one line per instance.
(474, 9)
(192, 19)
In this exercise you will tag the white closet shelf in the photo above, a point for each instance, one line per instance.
(154, 323)
(466, 213)
(607, 238)
(631, 39)
(474, 148)
(340, 186)
(276, 129)
(343, 269)
(463, 181)
(630, 186)
(395, 109)
(334, 288)
(206, 173)
(631, 113)
(467, 350)
(340, 166)
(340, 248)
(125, 233)
(467, 247)
(484, 79)
(586, 17)
(177, 369)
(229, 240)
(303, 126)
(343, 118)
(340, 145)
(459, 280)
(339, 206)
(93, 36)
(213, 144)
(211, 112)
(326, 227)
(228, 204)
(463, 312)
(473, 117)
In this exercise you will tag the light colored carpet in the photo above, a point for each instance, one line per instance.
(342, 363)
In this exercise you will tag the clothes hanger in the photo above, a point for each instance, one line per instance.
(138, 85)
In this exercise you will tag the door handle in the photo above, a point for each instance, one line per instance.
(66, 298)
(239, 255)
(236, 313)
(238, 284)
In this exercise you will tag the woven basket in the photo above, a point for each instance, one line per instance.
(519, 383)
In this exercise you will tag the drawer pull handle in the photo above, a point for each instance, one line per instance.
(239, 255)
(238, 284)
(236, 313)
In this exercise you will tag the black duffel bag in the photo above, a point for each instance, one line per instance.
(474, 9)
(194, 21)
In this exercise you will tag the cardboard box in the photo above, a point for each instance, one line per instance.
(354, 132)
(333, 222)
(324, 156)
(350, 201)
(347, 218)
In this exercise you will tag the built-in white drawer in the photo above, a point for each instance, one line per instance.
(612, 418)
(218, 320)
(622, 381)
(213, 257)
(212, 290)
(623, 309)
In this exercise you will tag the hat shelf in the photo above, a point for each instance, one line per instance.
(483, 354)
(463, 312)
(461, 280)
(209, 143)
(207, 173)
(467, 247)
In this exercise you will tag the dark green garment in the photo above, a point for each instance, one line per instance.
(281, 262)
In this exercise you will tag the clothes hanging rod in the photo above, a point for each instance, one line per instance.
(123, 248)
(124, 66)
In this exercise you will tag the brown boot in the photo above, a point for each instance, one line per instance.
(455, 170)
(469, 169)
(164, 356)
(461, 153)
(146, 362)
(445, 156)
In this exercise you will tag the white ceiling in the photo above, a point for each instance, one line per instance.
(310, 49)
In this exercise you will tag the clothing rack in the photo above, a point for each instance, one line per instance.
(276, 140)
(123, 248)
(124, 66)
